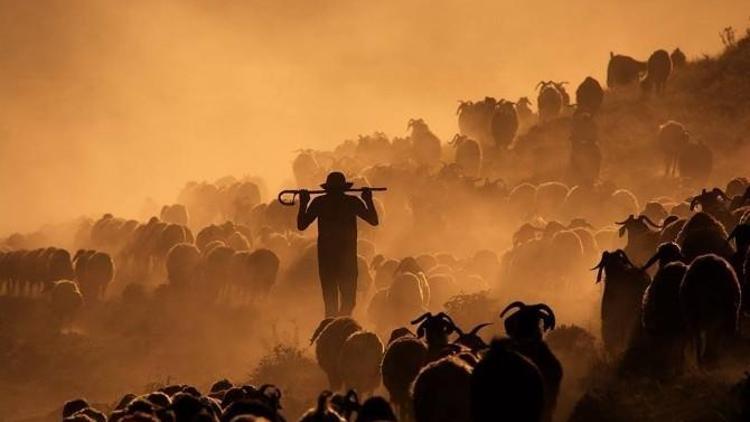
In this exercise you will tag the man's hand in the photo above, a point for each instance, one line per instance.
(304, 196)
(366, 195)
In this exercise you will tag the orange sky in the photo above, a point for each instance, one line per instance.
(103, 103)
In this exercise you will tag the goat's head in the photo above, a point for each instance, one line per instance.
(633, 225)
(529, 322)
(435, 328)
(666, 253)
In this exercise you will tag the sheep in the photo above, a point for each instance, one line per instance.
(526, 328)
(359, 361)
(94, 271)
(659, 67)
(58, 266)
(323, 412)
(703, 234)
(589, 96)
(375, 409)
(678, 58)
(384, 273)
(623, 70)
(441, 391)
(329, 338)
(407, 295)
(585, 161)
(505, 385)
(435, 329)
(521, 199)
(737, 187)
(238, 242)
(710, 298)
(716, 203)
(655, 211)
(425, 145)
(584, 128)
(549, 198)
(65, 300)
(175, 214)
(263, 265)
(523, 110)
(345, 404)
(661, 314)
(641, 239)
(621, 300)
(671, 227)
(549, 101)
(468, 118)
(216, 272)
(672, 139)
(402, 361)
(471, 339)
(183, 262)
(504, 124)
(306, 169)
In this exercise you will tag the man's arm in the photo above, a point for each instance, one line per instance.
(367, 212)
(305, 215)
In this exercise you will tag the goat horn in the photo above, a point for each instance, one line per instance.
(517, 304)
(648, 220)
(476, 329)
(549, 317)
(422, 318)
(629, 219)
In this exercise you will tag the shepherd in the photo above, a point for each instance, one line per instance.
(337, 214)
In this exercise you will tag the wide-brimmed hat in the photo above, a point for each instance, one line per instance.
(336, 181)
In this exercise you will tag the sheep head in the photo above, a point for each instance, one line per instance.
(529, 322)
(612, 262)
(435, 328)
(471, 340)
(634, 224)
(666, 253)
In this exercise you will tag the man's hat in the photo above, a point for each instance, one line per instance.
(336, 181)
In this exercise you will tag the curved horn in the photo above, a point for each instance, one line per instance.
(517, 304)
(626, 221)
(422, 318)
(548, 315)
(645, 218)
(476, 329)
(600, 266)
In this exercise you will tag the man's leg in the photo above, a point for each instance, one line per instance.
(348, 289)
(329, 286)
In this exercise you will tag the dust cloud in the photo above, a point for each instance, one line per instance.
(103, 104)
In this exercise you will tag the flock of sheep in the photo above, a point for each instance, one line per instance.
(514, 206)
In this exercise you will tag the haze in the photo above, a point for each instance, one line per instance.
(103, 104)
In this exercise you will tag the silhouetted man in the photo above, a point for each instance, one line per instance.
(337, 239)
